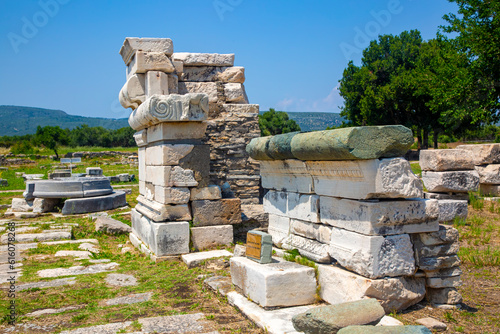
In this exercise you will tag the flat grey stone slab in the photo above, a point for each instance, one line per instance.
(130, 299)
(111, 226)
(53, 311)
(78, 270)
(121, 280)
(47, 284)
(220, 284)
(274, 322)
(78, 254)
(30, 237)
(94, 204)
(194, 259)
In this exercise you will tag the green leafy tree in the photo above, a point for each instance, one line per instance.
(274, 122)
(51, 137)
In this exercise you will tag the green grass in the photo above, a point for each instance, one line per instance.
(415, 168)
(480, 257)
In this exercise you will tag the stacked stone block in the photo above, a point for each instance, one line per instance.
(486, 159)
(174, 160)
(347, 200)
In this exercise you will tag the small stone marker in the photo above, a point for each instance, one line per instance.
(259, 247)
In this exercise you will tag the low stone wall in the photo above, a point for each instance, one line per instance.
(347, 200)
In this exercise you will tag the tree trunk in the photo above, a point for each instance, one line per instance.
(419, 139)
(426, 139)
(436, 134)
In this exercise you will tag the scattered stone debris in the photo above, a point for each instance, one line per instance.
(121, 280)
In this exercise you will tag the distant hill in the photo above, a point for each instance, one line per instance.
(18, 121)
(314, 121)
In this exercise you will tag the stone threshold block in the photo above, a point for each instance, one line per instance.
(169, 108)
(162, 212)
(289, 175)
(274, 284)
(380, 217)
(278, 228)
(194, 259)
(373, 256)
(167, 238)
(211, 236)
(234, 74)
(456, 181)
(133, 44)
(112, 201)
(365, 142)
(339, 286)
(204, 59)
(143, 62)
(292, 205)
(489, 174)
(176, 131)
(365, 179)
(451, 209)
(311, 249)
(489, 189)
(445, 160)
(483, 154)
(226, 211)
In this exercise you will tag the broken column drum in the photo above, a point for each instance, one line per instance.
(175, 186)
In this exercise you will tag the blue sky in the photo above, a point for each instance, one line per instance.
(63, 54)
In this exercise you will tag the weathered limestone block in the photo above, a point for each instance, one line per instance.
(41, 205)
(489, 189)
(443, 282)
(94, 204)
(211, 73)
(173, 82)
(21, 205)
(176, 131)
(208, 88)
(332, 318)
(448, 296)
(319, 232)
(373, 256)
(222, 212)
(483, 154)
(204, 59)
(445, 235)
(163, 239)
(369, 142)
(279, 228)
(445, 160)
(423, 251)
(451, 209)
(293, 205)
(444, 272)
(376, 217)
(162, 212)
(439, 262)
(143, 62)
(489, 174)
(212, 192)
(453, 196)
(339, 286)
(180, 177)
(456, 181)
(111, 226)
(169, 108)
(312, 249)
(133, 44)
(170, 176)
(211, 236)
(156, 83)
(241, 108)
(385, 178)
(133, 93)
(286, 175)
(198, 160)
(171, 195)
(274, 284)
(166, 154)
(235, 92)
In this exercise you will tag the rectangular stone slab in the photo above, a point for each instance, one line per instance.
(220, 212)
(176, 131)
(489, 174)
(94, 204)
(234, 74)
(279, 228)
(365, 179)
(445, 160)
(143, 62)
(204, 59)
(373, 256)
(211, 236)
(311, 249)
(456, 181)
(319, 232)
(274, 284)
(380, 217)
(286, 175)
(292, 205)
(133, 44)
(483, 154)
(162, 212)
(397, 293)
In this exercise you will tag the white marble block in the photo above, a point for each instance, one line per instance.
(314, 231)
(209, 88)
(171, 195)
(286, 175)
(156, 83)
(204, 59)
(365, 179)
(394, 294)
(133, 93)
(312, 249)
(234, 74)
(279, 228)
(456, 181)
(143, 62)
(141, 138)
(483, 154)
(166, 154)
(450, 209)
(212, 192)
(162, 212)
(445, 160)
(141, 160)
(211, 236)
(373, 256)
(133, 44)
(293, 205)
(489, 174)
(375, 217)
(176, 131)
(235, 93)
(274, 284)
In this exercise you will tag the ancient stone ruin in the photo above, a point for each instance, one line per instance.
(347, 200)
(193, 122)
